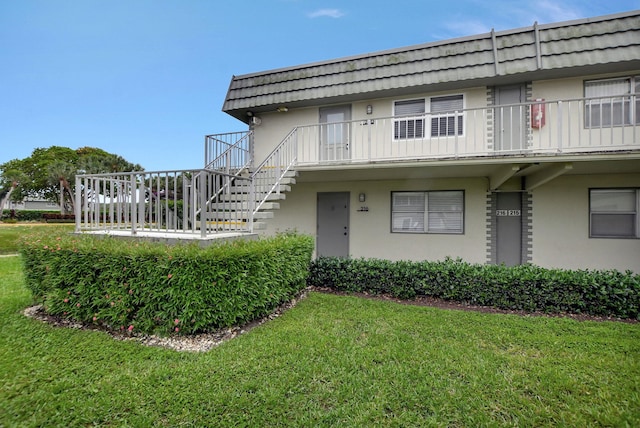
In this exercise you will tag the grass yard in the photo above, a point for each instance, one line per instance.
(10, 233)
(330, 361)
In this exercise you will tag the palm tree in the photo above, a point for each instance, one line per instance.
(13, 177)
(61, 172)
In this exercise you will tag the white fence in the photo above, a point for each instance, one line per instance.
(192, 201)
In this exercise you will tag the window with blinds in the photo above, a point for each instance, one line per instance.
(610, 102)
(427, 212)
(444, 212)
(613, 213)
(406, 127)
(446, 116)
(444, 113)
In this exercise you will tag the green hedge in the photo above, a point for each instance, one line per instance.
(59, 218)
(527, 287)
(26, 215)
(156, 288)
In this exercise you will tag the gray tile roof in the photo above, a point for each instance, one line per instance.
(592, 45)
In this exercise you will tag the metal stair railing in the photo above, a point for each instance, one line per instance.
(230, 152)
(267, 177)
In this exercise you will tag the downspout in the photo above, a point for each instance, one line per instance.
(536, 32)
(495, 52)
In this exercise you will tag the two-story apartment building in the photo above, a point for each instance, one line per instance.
(518, 146)
(507, 147)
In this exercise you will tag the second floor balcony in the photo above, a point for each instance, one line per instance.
(229, 193)
(574, 126)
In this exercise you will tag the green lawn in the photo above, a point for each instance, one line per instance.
(330, 361)
(10, 233)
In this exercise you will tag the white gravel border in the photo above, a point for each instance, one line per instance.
(191, 343)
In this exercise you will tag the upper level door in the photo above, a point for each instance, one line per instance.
(510, 118)
(335, 132)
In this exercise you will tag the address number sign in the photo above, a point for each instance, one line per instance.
(508, 213)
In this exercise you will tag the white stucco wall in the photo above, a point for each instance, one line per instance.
(575, 134)
(373, 140)
(370, 234)
(560, 211)
(569, 88)
(561, 226)
(275, 126)
(560, 222)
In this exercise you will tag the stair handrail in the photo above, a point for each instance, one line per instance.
(281, 160)
(207, 200)
(225, 160)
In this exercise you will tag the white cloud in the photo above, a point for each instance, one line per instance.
(542, 11)
(549, 11)
(330, 13)
(510, 15)
(466, 28)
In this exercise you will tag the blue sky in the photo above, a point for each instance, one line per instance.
(146, 79)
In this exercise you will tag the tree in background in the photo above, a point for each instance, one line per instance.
(60, 173)
(13, 178)
(50, 173)
(97, 161)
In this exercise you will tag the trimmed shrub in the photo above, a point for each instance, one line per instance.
(527, 287)
(156, 288)
(58, 218)
(26, 215)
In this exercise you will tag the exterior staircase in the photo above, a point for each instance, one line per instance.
(235, 205)
(252, 193)
(229, 195)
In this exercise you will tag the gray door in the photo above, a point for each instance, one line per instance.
(509, 228)
(510, 120)
(332, 238)
(335, 132)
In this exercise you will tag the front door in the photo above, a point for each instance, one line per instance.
(332, 238)
(509, 228)
(510, 118)
(335, 132)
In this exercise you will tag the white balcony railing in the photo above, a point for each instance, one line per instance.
(211, 200)
(552, 127)
(190, 201)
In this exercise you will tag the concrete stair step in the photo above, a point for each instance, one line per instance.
(245, 188)
(238, 216)
(269, 171)
(243, 205)
(232, 225)
(243, 197)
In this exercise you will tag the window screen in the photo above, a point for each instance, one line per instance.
(445, 212)
(405, 128)
(408, 211)
(444, 119)
(613, 213)
(428, 212)
(608, 102)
